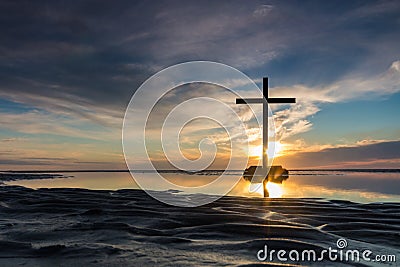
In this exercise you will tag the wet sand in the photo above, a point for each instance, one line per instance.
(80, 227)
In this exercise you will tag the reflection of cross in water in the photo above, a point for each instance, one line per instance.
(265, 100)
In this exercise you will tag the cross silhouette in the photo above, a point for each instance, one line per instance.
(265, 100)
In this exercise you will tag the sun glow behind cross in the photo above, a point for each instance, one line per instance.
(275, 149)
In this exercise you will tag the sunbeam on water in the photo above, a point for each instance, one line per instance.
(274, 189)
(364, 187)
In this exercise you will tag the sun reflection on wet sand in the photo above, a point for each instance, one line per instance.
(275, 190)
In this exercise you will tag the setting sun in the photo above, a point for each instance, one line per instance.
(274, 150)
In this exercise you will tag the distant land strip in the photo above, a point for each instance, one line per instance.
(196, 172)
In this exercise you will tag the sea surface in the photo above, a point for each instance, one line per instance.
(363, 186)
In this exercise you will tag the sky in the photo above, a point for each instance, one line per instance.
(69, 69)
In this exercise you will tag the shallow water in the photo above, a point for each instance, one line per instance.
(361, 187)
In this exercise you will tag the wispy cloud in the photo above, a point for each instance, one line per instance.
(295, 119)
(35, 122)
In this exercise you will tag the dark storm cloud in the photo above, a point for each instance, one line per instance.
(96, 53)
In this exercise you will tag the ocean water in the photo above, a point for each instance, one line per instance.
(357, 186)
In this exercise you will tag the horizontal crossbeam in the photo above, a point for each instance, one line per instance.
(249, 100)
(281, 100)
(278, 100)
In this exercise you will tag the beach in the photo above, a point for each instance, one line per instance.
(83, 227)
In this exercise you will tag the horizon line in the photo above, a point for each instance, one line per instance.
(183, 171)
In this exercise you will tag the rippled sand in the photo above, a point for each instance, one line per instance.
(64, 227)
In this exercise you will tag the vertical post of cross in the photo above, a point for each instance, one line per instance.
(265, 124)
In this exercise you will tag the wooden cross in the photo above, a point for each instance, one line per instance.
(265, 100)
